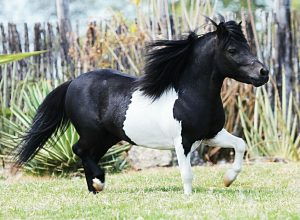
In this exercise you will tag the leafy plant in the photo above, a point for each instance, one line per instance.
(7, 58)
(273, 129)
(58, 158)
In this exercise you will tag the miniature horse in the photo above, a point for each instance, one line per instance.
(176, 104)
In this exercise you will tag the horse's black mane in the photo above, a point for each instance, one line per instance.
(230, 31)
(167, 59)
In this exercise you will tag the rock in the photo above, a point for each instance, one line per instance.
(196, 159)
(141, 158)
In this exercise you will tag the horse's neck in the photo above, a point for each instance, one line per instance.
(204, 93)
(202, 80)
(212, 85)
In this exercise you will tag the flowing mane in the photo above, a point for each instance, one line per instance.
(165, 61)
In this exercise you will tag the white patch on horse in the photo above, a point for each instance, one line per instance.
(98, 185)
(151, 123)
(184, 162)
(195, 145)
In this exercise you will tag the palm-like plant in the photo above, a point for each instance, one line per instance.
(7, 58)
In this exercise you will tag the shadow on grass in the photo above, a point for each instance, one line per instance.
(202, 190)
(234, 191)
(152, 189)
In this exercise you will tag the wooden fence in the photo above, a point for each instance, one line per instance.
(115, 44)
(118, 44)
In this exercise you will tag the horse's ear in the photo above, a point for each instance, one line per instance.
(221, 30)
(221, 18)
(211, 21)
(240, 24)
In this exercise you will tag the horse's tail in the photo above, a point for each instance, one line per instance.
(50, 118)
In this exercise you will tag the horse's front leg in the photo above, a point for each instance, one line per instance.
(227, 140)
(184, 165)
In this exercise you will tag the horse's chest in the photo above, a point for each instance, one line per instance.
(151, 123)
(201, 119)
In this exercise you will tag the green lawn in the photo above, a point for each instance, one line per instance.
(262, 191)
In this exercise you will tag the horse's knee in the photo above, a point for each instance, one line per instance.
(187, 179)
(240, 146)
(187, 175)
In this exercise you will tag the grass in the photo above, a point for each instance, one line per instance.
(262, 191)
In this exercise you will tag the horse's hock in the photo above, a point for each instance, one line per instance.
(141, 158)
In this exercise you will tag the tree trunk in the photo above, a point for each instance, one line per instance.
(65, 30)
(284, 47)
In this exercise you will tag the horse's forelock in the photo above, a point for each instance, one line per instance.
(230, 30)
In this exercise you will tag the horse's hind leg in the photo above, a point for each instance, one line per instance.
(91, 169)
(227, 140)
(90, 151)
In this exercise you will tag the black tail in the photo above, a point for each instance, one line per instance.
(49, 119)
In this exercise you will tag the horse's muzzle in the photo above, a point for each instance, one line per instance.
(263, 79)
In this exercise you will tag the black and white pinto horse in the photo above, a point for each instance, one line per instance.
(176, 104)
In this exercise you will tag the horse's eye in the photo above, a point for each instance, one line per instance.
(231, 50)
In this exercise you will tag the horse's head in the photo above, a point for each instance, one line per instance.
(234, 58)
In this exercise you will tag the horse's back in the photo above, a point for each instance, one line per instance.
(97, 101)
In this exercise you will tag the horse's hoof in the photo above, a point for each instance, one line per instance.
(227, 182)
(98, 185)
(229, 177)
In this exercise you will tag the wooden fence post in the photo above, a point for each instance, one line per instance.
(65, 31)
(284, 46)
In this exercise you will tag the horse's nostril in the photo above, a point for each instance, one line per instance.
(264, 72)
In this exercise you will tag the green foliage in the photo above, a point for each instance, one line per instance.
(295, 4)
(58, 158)
(273, 129)
(7, 58)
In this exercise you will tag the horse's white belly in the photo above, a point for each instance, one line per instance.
(151, 123)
